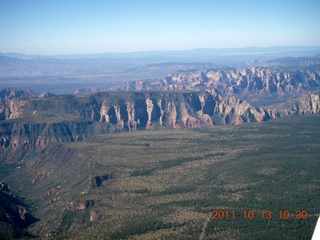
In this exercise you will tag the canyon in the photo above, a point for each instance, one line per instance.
(183, 143)
(29, 123)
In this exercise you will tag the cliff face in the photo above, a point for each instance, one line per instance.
(256, 80)
(20, 139)
(127, 111)
(132, 111)
(309, 104)
(12, 102)
(39, 121)
(35, 123)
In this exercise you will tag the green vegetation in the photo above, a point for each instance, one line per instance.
(166, 184)
(7, 168)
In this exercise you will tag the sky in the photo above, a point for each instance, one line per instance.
(94, 26)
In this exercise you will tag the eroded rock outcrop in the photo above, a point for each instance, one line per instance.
(12, 102)
(132, 111)
(79, 205)
(71, 118)
(18, 139)
(309, 104)
(256, 80)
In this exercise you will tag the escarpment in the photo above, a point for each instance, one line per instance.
(12, 102)
(143, 110)
(20, 139)
(309, 104)
(40, 121)
(261, 80)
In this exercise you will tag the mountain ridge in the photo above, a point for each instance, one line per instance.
(244, 50)
(261, 80)
(30, 124)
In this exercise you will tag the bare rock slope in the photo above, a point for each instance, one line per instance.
(255, 80)
(308, 104)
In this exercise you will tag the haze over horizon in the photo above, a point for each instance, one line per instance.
(81, 27)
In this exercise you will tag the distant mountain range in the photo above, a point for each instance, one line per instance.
(192, 53)
(261, 80)
(290, 61)
(65, 73)
(50, 143)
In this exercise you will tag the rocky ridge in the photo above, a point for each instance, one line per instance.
(170, 109)
(290, 61)
(309, 104)
(255, 80)
(11, 102)
(20, 139)
(35, 122)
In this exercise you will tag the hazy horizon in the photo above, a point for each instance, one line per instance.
(252, 50)
(85, 27)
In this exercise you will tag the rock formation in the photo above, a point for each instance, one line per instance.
(11, 103)
(256, 80)
(309, 104)
(142, 110)
(18, 139)
(39, 121)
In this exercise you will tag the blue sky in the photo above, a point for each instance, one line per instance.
(92, 26)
